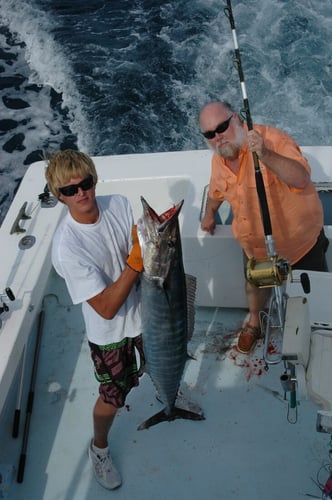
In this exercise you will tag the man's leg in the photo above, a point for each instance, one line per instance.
(257, 298)
(104, 470)
(110, 362)
(103, 415)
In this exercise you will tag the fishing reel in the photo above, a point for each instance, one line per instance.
(268, 271)
(271, 272)
(4, 307)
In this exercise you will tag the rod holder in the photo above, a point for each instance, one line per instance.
(286, 382)
(4, 307)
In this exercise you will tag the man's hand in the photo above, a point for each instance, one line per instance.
(208, 223)
(289, 170)
(256, 143)
(135, 260)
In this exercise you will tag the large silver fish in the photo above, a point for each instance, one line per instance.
(167, 309)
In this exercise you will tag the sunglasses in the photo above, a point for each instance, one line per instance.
(222, 127)
(72, 189)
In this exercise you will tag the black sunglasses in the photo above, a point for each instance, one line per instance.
(72, 189)
(222, 127)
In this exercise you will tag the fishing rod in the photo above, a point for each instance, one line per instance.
(17, 414)
(271, 272)
(258, 174)
(21, 466)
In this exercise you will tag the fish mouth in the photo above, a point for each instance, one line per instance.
(151, 222)
(163, 218)
(159, 239)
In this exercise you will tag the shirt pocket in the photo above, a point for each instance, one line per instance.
(267, 176)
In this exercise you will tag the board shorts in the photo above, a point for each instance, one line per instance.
(314, 260)
(116, 368)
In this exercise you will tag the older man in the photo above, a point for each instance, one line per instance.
(295, 209)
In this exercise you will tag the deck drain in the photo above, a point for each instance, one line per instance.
(26, 242)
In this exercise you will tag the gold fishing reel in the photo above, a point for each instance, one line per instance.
(268, 271)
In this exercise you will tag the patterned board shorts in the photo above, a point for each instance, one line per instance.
(116, 368)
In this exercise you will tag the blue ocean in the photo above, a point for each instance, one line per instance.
(118, 76)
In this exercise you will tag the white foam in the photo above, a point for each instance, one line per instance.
(46, 60)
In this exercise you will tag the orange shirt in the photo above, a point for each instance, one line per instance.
(296, 214)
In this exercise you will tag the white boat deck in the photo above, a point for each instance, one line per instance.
(245, 448)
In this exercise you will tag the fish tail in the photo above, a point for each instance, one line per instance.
(163, 416)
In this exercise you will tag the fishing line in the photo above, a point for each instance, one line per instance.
(258, 174)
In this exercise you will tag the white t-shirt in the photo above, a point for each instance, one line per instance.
(92, 256)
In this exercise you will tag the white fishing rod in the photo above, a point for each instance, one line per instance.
(273, 271)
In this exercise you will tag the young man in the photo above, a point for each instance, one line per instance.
(295, 209)
(96, 250)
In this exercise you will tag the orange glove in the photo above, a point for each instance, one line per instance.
(134, 260)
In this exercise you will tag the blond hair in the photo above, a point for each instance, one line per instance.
(65, 165)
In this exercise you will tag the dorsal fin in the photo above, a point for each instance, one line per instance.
(191, 296)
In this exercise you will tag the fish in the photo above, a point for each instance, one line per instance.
(167, 309)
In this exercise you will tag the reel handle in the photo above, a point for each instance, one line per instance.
(9, 294)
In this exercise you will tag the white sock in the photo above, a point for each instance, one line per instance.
(99, 451)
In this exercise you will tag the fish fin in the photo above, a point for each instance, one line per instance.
(162, 416)
(155, 419)
(191, 296)
(188, 404)
(187, 414)
(183, 402)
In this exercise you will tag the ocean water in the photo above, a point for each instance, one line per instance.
(119, 76)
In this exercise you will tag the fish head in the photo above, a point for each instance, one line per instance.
(159, 239)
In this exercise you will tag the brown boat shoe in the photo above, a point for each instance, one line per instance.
(248, 338)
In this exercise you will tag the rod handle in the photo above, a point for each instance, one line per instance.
(292, 397)
(21, 467)
(16, 423)
(10, 294)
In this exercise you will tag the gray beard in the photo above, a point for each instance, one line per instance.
(231, 151)
(228, 151)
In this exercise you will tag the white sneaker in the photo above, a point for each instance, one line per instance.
(104, 470)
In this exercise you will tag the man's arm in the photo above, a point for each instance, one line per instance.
(290, 171)
(108, 302)
(208, 222)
